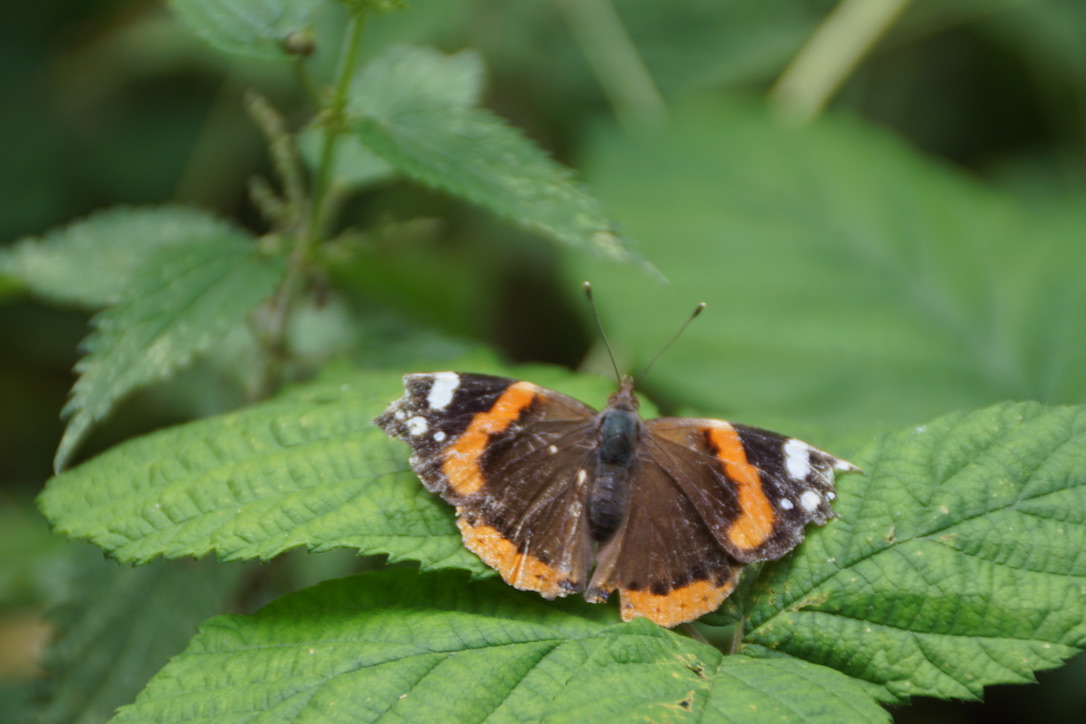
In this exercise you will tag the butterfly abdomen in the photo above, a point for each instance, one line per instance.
(618, 433)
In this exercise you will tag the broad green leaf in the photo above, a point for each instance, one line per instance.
(412, 108)
(247, 27)
(849, 280)
(306, 469)
(956, 562)
(118, 627)
(185, 297)
(401, 646)
(406, 77)
(93, 262)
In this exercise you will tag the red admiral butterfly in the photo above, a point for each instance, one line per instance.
(669, 509)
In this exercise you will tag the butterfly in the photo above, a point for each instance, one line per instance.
(560, 498)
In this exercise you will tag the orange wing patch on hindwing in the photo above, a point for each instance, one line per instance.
(678, 606)
(520, 570)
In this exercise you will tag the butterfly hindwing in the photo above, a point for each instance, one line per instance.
(663, 559)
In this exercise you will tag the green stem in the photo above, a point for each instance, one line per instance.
(348, 59)
(310, 222)
(831, 54)
(615, 61)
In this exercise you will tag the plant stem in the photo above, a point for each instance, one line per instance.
(831, 54)
(333, 128)
(310, 221)
(615, 61)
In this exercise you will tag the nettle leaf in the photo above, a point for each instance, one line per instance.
(432, 647)
(117, 628)
(407, 76)
(185, 297)
(849, 279)
(413, 107)
(354, 165)
(256, 28)
(306, 469)
(956, 562)
(93, 262)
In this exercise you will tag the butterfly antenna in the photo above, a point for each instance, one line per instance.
(599, 326)
(697, 311)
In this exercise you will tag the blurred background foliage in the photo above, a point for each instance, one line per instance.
(941, 208)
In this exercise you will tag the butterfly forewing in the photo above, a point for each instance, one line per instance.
(516, 460)
(756, 490)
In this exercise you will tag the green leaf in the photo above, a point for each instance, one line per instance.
(956, 562)
(306, 469)
(119, 626)
(849, 280)
(433, 648)
(413, 108)
(256, 28)
(406, 77)
(93, 262)
(184, 299)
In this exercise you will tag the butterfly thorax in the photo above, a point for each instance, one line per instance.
(618, 430)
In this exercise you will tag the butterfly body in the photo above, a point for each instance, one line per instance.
(560, 498)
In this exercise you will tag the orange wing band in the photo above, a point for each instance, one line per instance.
(756, 517)
(462, 459)
(520, 570)
(679, 606)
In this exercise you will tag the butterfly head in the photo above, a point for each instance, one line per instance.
(624, 398)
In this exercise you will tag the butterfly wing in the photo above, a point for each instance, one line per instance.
(755, 490)
(663, 559)
(516, 460)
(707, 497)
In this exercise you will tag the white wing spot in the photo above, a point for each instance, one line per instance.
(400, 415)
(797, 459)
(553, 449)
(831, 495)
(442, 389)
(417, 425)
(809, 500)
(787, 504)
(582, 475)
(439, 436)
